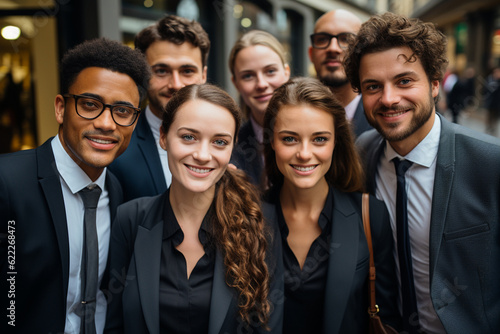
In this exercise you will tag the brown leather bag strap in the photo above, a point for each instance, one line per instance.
(373, 308)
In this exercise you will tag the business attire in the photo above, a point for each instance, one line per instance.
(150, 281)
(358, 121)
(330, 293)
(461, 240)
(139, 169)
(248, 152)
(35, 194)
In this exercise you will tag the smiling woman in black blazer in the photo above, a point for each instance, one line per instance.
(315, 181)
(192, 260)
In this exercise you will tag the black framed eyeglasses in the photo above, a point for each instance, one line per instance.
(90, 108)
(322, 40)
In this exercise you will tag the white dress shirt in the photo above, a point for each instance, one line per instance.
(350, 109)
(419, 188)
(155, 124)
(73, 179)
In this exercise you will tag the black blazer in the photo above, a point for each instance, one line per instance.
(346, 295)
(465, 226)
(247, 154)
(359, 122)
(31, 195)
(135, 254)
(139, 168)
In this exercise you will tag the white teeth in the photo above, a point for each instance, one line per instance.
(199, 170)
(100, 141)
(395, 115)
(304, 169)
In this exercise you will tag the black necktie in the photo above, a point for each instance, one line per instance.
(90, 260)
(410, 313)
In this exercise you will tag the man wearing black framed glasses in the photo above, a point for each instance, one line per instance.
(58, 200)
(332, 33)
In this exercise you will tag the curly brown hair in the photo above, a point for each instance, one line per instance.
(346, 171)
(177, 30)
(389, 30)
(238, 224)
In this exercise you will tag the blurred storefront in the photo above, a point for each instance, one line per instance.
(29, 77)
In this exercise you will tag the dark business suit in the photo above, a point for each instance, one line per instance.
(359, 122)
(346, 295)
(139, 168)
(247, 154)
(464, 233)
(135, 260)
(31, 195)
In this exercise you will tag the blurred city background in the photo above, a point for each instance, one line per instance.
(36, 33)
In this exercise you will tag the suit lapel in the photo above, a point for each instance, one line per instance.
(48, 177)
(443, 180)
(147, 145)
(147, 248)
(342, 262)
(221, 297)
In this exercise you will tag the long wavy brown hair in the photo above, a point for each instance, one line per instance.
(346, 172)
(238, 223)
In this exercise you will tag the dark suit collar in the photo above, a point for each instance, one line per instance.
(48, 177)
(147, 251)
(342, 262)
(443, 181)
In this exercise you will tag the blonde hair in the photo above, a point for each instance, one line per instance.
(256, 37)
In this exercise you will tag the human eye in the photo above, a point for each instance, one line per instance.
(188, 71)
(320, 140)
(246, 76)
(160, 71)
(371, 87)
(271, 71)
(220, 142)
(405, 82)
(188, 137)
(123, 111)
(289, 140)
(89, 104)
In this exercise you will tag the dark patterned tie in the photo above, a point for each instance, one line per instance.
(90, 260)
(410, 313)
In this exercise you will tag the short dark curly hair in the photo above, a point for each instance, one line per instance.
(108, 54)
(387, 31)
(177, 30)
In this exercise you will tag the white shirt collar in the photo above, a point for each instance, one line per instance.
(154, 123)
(350, 109)
(70, 172)
(425, 152)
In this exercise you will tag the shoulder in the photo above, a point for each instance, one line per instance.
(142, 207)
(369, 139)
(476, 143)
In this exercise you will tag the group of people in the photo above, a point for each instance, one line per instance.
(229, 226)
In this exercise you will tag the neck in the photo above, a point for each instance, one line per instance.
(405, 146)
(306, 200)
(344, 94)
(156, 111)
(190, 207)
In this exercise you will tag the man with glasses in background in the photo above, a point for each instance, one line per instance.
(177, 51)
(57, 201)
(332, 33)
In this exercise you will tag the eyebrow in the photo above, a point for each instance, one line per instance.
(163, 65)
(99, 97)
(252, 70)
(196, 131)
(397, 76)
(317, 133)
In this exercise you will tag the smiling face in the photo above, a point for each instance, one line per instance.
(397, 97)
(258, 71)
(199, 143)
(94, 144)
(303, 141)
(328, 62)
(173, 67)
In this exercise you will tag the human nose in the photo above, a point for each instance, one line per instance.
(262, 82)
(334, 45)
(175, 82)
(202, 152)
(304, 153)
(390, 96)
(105, 120)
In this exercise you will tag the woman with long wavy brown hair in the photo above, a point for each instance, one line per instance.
(193, 260)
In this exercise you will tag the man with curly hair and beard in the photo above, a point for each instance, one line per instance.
(440, 181)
